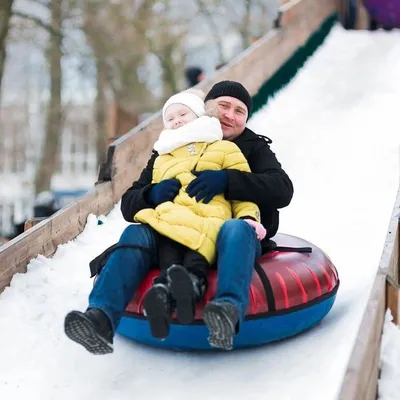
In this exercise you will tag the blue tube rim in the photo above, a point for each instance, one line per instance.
(263, 315)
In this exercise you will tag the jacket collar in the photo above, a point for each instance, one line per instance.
(203, 129)
(249, 135)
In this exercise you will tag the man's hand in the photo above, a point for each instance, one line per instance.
(207, 185)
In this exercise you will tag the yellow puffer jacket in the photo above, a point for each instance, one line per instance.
(186, 221)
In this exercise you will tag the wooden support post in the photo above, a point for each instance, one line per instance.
(392, 298)
(112, 122)
(363, 20)
(393, 277)
(30, 223)
(119, 122)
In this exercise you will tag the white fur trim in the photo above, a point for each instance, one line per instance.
(203, 129)
(194, 102)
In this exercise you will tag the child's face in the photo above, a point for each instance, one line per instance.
(177, 115)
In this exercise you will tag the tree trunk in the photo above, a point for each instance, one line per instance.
(245, 32)
(51, 144)
(5, 17)
(101, 109)
(170, 72)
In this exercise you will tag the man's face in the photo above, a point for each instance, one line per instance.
(232, 115)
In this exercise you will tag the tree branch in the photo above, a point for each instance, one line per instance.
(213, 28)
(43, 3)
(38, 22)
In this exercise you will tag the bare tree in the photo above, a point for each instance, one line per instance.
(110, 33)
(130, 55)
(7, 15)
(171, 61)
(5, 18)
(97, 40)
(242, 18)
(244, 25)
(165, 34)
(255, 15)
(51, 143)
(206, 11)
(123, 37)
(115, 38)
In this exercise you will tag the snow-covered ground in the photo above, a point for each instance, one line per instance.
(335, 130)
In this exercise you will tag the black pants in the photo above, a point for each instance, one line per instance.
(171, 252)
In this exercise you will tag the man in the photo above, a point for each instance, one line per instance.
(267, 185)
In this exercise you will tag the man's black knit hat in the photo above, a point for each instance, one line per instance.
(232, 89)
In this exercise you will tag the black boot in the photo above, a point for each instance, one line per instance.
(186, 289)
(221, 319)
(92, 329)
(158, 309)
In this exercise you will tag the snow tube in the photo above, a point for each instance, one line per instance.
(385, 12)
(290, 293)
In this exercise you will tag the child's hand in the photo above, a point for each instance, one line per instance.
(260, 230)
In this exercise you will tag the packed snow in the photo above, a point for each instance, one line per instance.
(335, 131)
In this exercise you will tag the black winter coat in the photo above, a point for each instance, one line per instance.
(267, 185)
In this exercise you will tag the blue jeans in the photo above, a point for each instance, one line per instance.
(237, 248)
(123, 273)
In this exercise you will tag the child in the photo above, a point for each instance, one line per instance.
(191, 142)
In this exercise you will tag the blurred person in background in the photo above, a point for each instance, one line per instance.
(194, 75)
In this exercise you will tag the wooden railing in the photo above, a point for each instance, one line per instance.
(361, 378)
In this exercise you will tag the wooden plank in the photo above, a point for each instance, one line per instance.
(364, 360)
(61, 227)
(392, 298)
(394, 267)
(111, 121)
(372, 385)
(360, 381)
(393, 276)
(392, 257)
